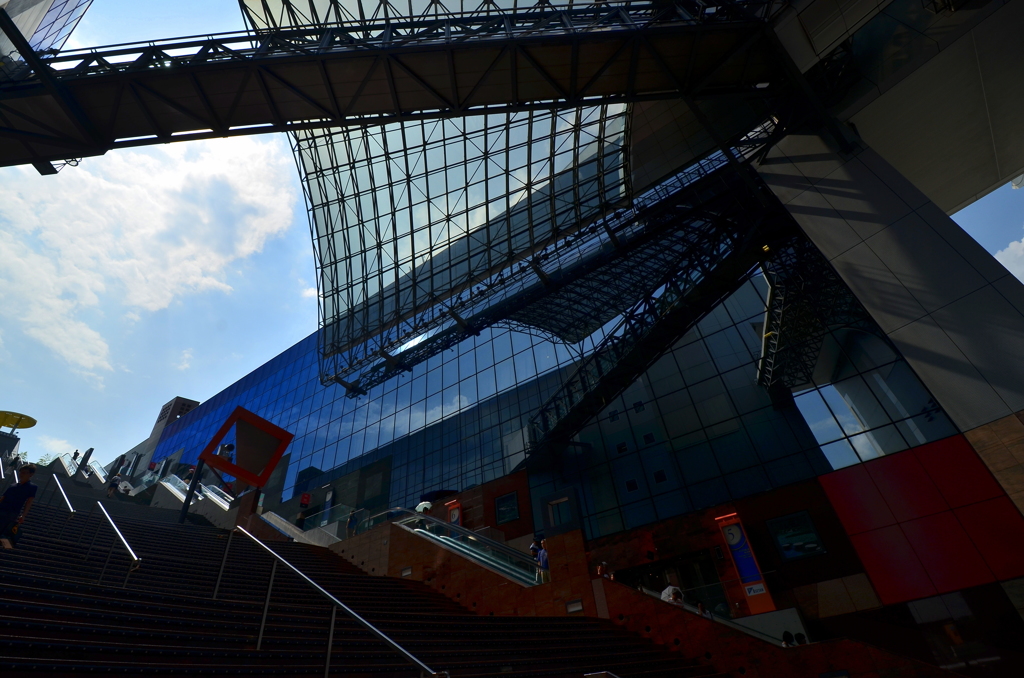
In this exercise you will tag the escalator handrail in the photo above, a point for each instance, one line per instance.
(507, 568)
(496, 545)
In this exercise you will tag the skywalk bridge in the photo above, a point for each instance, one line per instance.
(86, 102)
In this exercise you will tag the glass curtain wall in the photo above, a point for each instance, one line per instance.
(694, 431)
(57, 24)
(400, 212)
(697, 430)
(413, 223)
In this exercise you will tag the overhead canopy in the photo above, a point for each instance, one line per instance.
(417, 214)
(428, 230)
(15, 420)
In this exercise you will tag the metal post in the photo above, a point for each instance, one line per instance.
(223, 562)
(266, 606)
(68, 520)
(87, 517)
(43, 493)
(105, 563)
(330, 642)
(191, 490)
(131, 568)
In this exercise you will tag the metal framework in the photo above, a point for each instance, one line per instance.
(378, 70)
(723, 253)
(49, 36)
(414, 223)
(807, 300)
(570, 289)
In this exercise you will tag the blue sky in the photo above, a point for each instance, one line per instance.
(178, 269)
(141, 275)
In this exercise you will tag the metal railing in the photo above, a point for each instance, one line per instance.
(425, 671)
(405, 31)
(70, 465)
(43, 500)
(135, 560)
(71, 509)
(217, 496)
(710, 614)
(317, 536)
(495, 556)
(63, 494)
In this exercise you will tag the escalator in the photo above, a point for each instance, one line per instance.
(497, 557)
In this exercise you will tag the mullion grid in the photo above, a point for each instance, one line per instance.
(505, 128)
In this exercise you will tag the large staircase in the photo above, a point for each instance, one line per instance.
(70, 603)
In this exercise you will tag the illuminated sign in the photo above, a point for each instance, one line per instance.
(758, 598)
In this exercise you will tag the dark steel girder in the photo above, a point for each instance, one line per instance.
(807, 300)
(88, 102)
(649, 330)
(668, 228)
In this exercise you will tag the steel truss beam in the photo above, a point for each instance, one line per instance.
(380, 71)
(573, 287)
(807, 300)
(732, 250)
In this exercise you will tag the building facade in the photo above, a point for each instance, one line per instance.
(862, 500)
(610, 320)
(46, 23)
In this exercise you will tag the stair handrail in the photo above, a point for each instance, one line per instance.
(63, 494)
(217, 496)
(136, 561)
(496, 545)
(71, 509)
(298, 534)
(425, 671)
(340, 510)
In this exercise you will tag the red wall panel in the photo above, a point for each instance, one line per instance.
(948, 555)
(958, 471)
(997, 528)
(857, 501)
(897, 510)
(892, 565)
(905, 487)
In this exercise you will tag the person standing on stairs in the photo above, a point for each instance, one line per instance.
(350, 526)
(14, 505)
(112, 486)
(542, 562)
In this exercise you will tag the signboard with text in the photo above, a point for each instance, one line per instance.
(758, 598)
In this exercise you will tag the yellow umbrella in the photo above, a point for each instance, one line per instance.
(15, 420)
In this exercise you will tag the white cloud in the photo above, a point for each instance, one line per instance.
(1012, 257)
(186, 360)
(132, 232)
(309, 293)
(56, 445)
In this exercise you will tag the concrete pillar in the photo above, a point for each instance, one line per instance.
(953, 311)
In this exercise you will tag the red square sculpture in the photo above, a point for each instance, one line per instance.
(257, 432)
